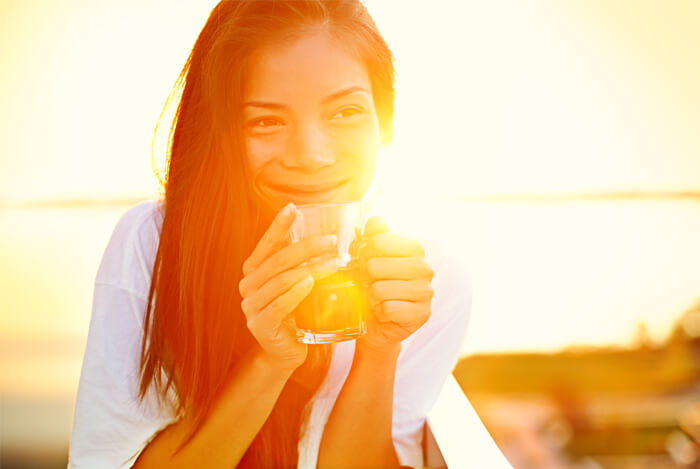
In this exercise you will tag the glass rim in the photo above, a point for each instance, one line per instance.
(328, 204)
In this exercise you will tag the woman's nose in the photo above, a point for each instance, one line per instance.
(310, 150)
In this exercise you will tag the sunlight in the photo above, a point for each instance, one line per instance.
(534, 99)
(82, 94)
(496, 103)
(542, 99)
(539, 98)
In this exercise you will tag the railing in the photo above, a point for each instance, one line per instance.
(455, 437)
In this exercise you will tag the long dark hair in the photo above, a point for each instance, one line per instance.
(195, 331)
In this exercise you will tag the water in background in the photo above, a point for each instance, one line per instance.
(544, 276)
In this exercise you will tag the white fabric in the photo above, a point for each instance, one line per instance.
(111, 427)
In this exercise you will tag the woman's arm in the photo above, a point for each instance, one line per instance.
(358, 431)
(230, 427)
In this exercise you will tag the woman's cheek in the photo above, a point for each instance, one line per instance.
(359, 147)
(260, 156)
(260, 152)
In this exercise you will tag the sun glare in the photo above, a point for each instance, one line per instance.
(538, 98)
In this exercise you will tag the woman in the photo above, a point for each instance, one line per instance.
(189, 361)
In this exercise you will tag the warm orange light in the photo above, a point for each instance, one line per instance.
(591, 97)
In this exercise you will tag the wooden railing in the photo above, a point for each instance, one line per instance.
(455, 437)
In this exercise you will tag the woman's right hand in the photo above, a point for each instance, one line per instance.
(274, 283)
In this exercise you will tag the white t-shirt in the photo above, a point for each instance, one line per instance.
(111, 427)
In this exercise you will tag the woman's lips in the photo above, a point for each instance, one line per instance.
(309, 188)
(307, 194)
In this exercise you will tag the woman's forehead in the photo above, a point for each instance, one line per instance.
(308, 66)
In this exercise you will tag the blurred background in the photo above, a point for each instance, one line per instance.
(553, 147)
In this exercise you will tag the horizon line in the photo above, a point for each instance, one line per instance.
(516, 197)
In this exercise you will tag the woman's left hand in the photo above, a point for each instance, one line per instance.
(399, 289)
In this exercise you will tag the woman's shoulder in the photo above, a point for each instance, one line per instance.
(128, 259)
(143, 218)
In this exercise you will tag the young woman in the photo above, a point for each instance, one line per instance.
(190, 360)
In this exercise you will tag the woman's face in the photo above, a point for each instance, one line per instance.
(311, 129)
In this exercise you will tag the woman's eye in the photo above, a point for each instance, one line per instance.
(265, 123)
(347, 112)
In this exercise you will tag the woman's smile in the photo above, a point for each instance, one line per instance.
(306, 194)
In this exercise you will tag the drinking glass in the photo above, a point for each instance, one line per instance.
(336, 308)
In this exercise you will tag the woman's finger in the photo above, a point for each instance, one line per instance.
(374, 226)
(282, 282)
(287, 258)
(407, 314)
(276, 236)
(391, 331)
(407, 290)
(398, 268)
(392, 245)
(277, 311)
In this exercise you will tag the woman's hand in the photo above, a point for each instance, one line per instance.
(399, 287)
(275, 282)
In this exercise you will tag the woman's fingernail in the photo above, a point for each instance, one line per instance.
(325, 268)
(288, 209)
(307, 282)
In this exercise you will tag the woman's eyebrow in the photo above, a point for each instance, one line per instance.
(341, 93)
(330, 97)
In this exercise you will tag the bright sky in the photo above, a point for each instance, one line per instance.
(548, 96)
(491, 97)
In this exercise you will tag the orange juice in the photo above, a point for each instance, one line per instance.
(335, 309)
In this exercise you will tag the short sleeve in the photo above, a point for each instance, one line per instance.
(111, 425)
(428, 356)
